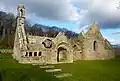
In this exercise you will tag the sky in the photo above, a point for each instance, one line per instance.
(75, 15)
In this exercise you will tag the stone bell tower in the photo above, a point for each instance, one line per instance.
(20, 27)
(20, 41)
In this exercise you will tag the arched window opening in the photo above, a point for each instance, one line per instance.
(47, 43)
(94, 45)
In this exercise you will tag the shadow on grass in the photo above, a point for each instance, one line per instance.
(1, 77)
(25, 74)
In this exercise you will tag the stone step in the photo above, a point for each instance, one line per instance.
(46, 67)
(53, 70)
(63, 75)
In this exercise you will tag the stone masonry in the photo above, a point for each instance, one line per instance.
(47, 50)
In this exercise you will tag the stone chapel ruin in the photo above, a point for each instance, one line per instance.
(46, 50)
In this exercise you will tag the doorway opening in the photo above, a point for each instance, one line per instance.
(62, 54)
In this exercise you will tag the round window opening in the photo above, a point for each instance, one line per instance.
(47, 43)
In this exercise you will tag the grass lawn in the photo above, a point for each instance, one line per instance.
(108, 70)
(10, 70)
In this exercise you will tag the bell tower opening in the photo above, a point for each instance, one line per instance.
(21, 10)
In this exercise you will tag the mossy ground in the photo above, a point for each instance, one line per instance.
(107, 70)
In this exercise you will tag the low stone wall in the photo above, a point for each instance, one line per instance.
(6, 50)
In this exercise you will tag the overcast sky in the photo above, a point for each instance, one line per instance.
(75, 15)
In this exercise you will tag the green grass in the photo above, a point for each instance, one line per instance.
(10, 70)
(108, 70)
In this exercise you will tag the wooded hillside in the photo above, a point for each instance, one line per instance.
(8, 26)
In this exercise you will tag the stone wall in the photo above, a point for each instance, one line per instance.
(94, 49)
(6, 51)
(60, 49)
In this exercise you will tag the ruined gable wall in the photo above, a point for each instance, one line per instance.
(94, 45)
(92, 52)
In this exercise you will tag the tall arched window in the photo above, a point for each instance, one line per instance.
(94, 45)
